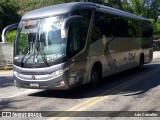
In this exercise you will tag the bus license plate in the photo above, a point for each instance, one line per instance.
(34, 85)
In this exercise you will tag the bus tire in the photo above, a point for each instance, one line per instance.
(96, 76)
(141, 62)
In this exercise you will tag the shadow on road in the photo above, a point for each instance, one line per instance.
(109, 83)
(9, 104)
(6, 82)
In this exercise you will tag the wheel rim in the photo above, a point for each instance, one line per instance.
(95, 77)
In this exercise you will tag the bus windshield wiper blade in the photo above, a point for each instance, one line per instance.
(42, 53)
(25, 53)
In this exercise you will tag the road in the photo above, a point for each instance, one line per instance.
(128, 91)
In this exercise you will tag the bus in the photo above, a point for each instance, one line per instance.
(67, 45)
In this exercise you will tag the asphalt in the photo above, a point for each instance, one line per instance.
(128, 91)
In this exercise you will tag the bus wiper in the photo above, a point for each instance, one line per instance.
(25, 53)
(42, 53)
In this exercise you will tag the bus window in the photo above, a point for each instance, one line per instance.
(86, 13)
(78, 31)
(75, 35)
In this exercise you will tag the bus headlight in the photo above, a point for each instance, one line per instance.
(59, 72)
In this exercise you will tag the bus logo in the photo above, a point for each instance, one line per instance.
(33, 77)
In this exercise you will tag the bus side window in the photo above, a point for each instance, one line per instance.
(96, 30)
(96, 34)
(147, 29)
(78, 31)
(75, 43)
(85, 22)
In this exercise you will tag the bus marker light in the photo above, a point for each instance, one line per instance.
(71, 80)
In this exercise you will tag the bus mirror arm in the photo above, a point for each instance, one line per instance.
(66, 24)
(6, 29)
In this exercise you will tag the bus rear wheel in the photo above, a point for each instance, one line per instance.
(141, 63)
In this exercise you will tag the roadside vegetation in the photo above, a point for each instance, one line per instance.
(12, 10)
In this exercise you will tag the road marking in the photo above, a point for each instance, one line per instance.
(92, 101)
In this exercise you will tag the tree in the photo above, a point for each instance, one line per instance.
(11, 10)
(8, 14)
(114, 3)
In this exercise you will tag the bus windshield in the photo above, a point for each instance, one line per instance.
(40, 41)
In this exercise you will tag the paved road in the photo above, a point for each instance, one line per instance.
(128, 91)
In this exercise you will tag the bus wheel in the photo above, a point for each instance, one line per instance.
(95, 76)
(141, 63)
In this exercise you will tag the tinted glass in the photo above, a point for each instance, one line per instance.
(113, 25)
(78, 31)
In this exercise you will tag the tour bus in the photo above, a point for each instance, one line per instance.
(63, 46)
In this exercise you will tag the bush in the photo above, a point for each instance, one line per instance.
(10, 36)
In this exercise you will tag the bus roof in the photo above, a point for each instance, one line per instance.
(55, 10)
(68, 7)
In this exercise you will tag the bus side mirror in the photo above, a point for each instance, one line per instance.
(6, 29)
(66, 24)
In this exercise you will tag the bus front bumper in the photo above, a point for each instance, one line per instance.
(41, 81)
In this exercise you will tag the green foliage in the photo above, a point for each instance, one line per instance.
(139, 7)
(12, 10)
(153, 12)
(22, 43)
(10, 36)
(28, 5)
(114, 3)
(157, 27)
(8, 13)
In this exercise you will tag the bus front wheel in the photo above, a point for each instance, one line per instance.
(95, 76)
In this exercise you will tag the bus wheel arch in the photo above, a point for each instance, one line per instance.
(96, 74)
